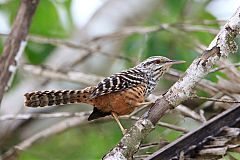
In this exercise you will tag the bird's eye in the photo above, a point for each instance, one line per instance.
(157, 61)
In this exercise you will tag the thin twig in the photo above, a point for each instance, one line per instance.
(185, 111)
(224, 67)
(167, 125)
(149, 145)
(71, 76)
(69, 44)
(206, 22)
(214, 99)
(26, 116)
(196, 28)
(141, 156)
(151, 29)
(205, 85)
(207, 104)
(201, 113)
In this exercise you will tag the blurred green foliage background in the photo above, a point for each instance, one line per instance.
(93, 140)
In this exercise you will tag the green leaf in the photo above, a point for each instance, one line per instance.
(37, 53)
(10, 9)
(234, 155)
(90, 141)
(171, 135)
(175, 8)
(227, 157)
(47, 21)
(1, 46)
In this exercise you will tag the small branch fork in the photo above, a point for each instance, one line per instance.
(221, 46)
(14, 45)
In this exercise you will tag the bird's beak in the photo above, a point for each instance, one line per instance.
(174, 62)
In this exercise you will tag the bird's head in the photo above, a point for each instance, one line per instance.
(153, 68)
(157, 64)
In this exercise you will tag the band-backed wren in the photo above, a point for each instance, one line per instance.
(116, 95)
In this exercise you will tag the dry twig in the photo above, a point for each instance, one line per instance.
(26, 116)
(71, 76)
(215, 99)
(151, 29)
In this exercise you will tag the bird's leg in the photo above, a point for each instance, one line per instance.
(118, 122)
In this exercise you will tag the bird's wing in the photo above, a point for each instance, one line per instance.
(118, 82)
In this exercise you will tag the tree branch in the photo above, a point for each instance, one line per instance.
(221, 46)
(12, 48)
(188, 27)
(70, 76)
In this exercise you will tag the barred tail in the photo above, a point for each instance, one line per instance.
(59, 97)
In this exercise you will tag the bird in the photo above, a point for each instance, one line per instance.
(116, 95)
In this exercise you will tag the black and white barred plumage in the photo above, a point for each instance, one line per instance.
(118, 82)
(147, 73)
